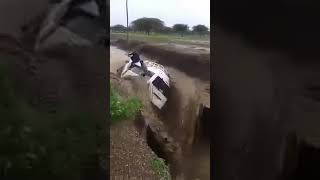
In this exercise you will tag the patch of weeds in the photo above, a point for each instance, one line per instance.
(159, 165)
(122, 108)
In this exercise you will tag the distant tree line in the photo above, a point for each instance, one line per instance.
(149, 25)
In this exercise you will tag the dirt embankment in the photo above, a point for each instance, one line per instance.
(193, 64)
(152, 129)
(130, 155)
(170, 133)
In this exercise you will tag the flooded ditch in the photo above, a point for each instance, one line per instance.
(179, 133)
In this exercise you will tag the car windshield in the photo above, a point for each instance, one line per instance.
(161, 85)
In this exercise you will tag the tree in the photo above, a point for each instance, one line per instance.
(180, 28)
(147, 24)
(200, 29)
(118, 28)
(166, 30)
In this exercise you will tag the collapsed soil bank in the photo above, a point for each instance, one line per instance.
(149, 121)
(193, 64)
(173, 131)
(166, 134)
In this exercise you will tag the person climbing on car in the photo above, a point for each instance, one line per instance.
(135, 58)
(138, 62)
(135, 61)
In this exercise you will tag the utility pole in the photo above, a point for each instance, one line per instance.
(127, 22)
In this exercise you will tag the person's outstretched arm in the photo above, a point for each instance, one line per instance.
(125, 69)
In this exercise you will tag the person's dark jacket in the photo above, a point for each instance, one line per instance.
(135, 57)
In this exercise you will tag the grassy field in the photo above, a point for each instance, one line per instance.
(165, 38)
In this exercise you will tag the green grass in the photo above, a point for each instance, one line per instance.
(122, 108)
(165, 38)
(161, 168)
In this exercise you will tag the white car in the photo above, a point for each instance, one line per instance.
(156, 77)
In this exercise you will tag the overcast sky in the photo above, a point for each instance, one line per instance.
(191, 12)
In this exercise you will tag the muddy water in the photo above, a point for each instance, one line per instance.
(117, 58)
(187, 48)
(180, 118)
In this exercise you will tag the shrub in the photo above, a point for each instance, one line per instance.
(123, 108)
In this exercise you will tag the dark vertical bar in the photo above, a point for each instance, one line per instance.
(108, 119)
